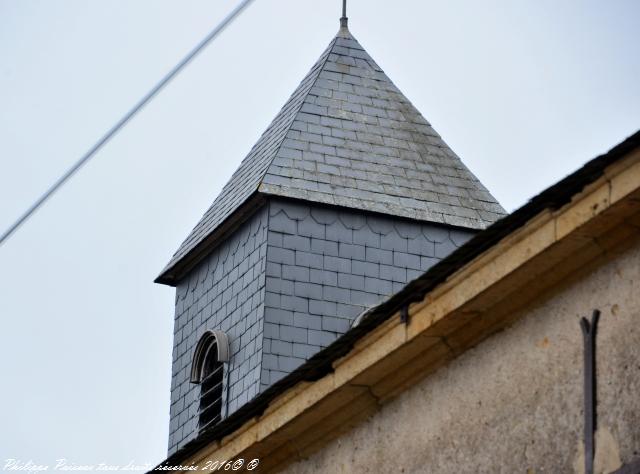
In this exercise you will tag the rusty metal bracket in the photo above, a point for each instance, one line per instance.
(590, 402)
(404, 314)
(404, 309)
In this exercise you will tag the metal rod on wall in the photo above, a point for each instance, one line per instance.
(590, 408)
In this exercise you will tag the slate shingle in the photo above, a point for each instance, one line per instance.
(349, 137)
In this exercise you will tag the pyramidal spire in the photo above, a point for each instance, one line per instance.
(347, 137)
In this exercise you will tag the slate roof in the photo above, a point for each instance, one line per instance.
(349, 137)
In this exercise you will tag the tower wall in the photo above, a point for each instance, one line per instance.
(284, 285)
(224, 292)
(326, 265)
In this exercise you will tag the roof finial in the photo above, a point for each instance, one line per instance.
(344, 20)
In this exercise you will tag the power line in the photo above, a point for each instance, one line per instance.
(124, 120)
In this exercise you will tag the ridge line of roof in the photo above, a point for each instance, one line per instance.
(415, 123)
(321, 65)
(165, 276)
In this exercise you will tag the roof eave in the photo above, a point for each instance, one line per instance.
(552, 198)
(173, 273)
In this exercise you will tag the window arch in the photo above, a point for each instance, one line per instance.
(207, 369)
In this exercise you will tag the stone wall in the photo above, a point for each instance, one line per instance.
(514, 402)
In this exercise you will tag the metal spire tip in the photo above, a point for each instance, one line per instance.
(344, 21)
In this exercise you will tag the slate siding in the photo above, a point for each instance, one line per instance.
(327, 265)
(287, 283)
(225, 292)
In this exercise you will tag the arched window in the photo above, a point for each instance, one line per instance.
(207, 369)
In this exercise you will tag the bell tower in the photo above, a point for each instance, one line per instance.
(347, 196)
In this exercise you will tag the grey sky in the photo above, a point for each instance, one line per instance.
(524, 92)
